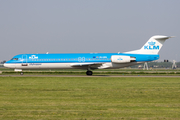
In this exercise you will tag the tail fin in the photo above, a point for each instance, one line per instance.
(152, 46)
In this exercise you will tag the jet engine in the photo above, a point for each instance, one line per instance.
(122, 59)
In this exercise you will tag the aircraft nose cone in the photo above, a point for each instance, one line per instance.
(5, 65)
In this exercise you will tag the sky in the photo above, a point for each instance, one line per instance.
(85, 26)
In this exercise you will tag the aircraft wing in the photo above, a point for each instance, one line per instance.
(86, 65)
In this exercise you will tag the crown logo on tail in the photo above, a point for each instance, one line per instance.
(151, 43)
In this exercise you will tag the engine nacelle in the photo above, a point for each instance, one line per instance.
(122, 59)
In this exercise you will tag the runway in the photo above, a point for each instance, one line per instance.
(81, 76)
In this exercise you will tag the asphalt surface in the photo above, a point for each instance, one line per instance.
(79, 76)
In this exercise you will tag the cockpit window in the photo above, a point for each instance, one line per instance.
(14, 59)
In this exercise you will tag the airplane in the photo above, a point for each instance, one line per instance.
(89, 61)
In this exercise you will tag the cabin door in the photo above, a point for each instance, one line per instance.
(24, 60)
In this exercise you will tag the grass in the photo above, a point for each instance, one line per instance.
(89, 98)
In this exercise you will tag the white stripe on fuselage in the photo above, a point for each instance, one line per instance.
(64, 65)
(39, 65)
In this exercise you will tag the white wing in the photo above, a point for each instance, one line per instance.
(86, 65)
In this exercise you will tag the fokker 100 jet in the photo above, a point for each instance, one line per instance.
(89, 61)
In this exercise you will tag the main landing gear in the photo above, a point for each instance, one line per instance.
(89, 72)
(21, 73)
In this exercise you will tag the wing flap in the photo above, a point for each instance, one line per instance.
(84, 64)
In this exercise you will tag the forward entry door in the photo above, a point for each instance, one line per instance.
(24, 60)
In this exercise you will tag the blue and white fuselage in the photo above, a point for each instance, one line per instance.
(88, 61)
(65, 61)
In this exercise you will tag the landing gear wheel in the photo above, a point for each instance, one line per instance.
(21, 73)
(89, 73)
